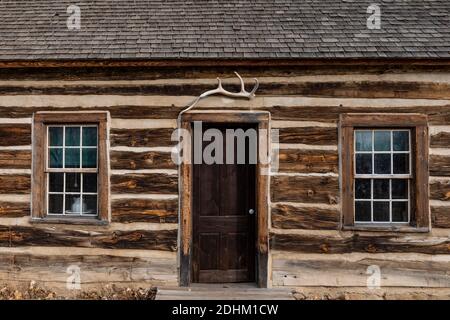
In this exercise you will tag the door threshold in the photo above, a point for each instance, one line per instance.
(231, 285)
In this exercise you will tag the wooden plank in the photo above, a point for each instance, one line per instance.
(15, 159)
(440, 217)
(347, 180)
(262, 198)
(119, 111)
(347, 89)
(145, 210)
(440, 190)
(308, 161)
(157, 183)
(141, 137)
(439, 165)
(15, 183)
(421, 170)
(290, 217)
(15, 134)
(354, 242)
(16, 236)
(63, 117)
(141, 160)
(309, 189)
(14, 209)
(308, 135)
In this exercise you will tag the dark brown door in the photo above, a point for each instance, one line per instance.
(224, 217)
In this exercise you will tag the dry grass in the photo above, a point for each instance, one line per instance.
(108, 292)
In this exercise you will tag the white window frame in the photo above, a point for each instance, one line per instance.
(390, 176)
(63, 170)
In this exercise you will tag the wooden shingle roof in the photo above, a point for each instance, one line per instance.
(184, 29)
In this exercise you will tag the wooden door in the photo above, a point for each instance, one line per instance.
(224, 217)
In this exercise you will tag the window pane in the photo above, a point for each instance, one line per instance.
(89, 136)
(400, 211)
(401, 140)
(73, 182)
(363, 163)
(401, 163)
(89, 204)
(55, 203)
(56, 182)
(73, 205)
(90, 158)
(55, 136)
(363, 140)
(72, 136)
(362, 210)
(399, 189)
(382, 140)
(55, 158)
(90, 182)
(381, 188)
(382, 163)
(72, 158)
(362, 189)
(381, 211)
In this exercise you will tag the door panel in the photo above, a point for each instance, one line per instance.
(223, 230)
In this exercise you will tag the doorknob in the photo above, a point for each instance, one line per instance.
(251, 211)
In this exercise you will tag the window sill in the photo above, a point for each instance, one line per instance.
(76, 221)
(386, 228)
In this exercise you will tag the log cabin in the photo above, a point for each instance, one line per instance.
(356, 120)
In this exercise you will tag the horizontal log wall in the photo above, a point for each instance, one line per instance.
(140, 243)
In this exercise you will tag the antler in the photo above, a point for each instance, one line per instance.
(220, 90)
(241, 94)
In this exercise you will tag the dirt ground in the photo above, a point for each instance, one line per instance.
(108, 292)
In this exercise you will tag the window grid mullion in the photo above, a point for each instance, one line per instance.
(80, 170)
(390, 177)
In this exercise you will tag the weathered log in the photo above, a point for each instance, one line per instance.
(437, 115)
(214, 69)
(440, 217)
(309, 135)
(17, 134)
(347, 89)
(14, 209)
(351, 271)
(439, 165)
(310, 189)
(141, 137)
(15, 236)
(308, 161)
(141, 160)
(15, 159)
(308, 243)
(122, 112)
(440, 190)
(145, 210)
(98, 269)
(145, 183)
(440, 140)
(15, 183)
(290, 217)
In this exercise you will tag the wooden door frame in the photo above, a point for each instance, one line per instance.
(262, 120)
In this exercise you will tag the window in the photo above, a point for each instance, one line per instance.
(382, 176)
(72, 170)
(70, 165)
(384, 163)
